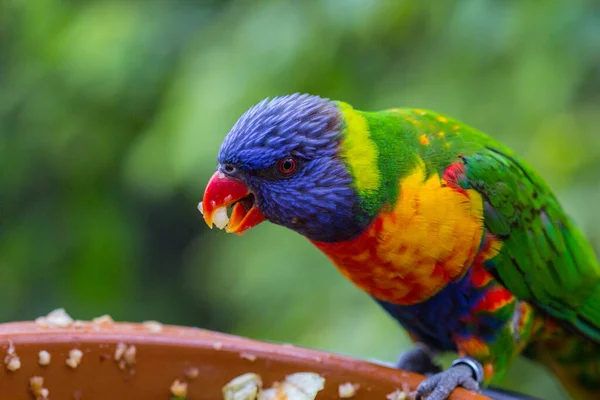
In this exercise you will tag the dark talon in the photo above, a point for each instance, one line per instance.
(418, 360)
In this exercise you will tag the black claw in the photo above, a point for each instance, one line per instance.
(418, 360)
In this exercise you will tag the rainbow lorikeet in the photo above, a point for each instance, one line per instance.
(458, 238)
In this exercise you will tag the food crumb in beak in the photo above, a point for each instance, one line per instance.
(220, 218)
(200, 208)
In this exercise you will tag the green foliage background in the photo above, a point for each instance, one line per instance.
(111, 114)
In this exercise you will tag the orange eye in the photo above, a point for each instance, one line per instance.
(287, 166)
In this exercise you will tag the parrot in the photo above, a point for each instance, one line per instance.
(451, 232)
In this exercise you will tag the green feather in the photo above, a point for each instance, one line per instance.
(544, 259)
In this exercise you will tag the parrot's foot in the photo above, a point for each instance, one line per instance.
(464, 372)
(418, 360)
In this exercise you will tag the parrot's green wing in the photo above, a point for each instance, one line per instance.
(544, 258)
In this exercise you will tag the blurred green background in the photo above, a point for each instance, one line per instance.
(112, 112)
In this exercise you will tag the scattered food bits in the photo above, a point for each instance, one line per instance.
(217, 345)
(74, 359)
(153, 326)
(36, 385)
(12, 360)
(55, 319)
(248, 356)
(125, 355)
(348, 390)
(44, 358)
(179, 389)
(191, 373)
(299, 386)
(397, 395)
(103, 320)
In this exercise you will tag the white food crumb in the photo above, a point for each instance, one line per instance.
(103, 320)
(244, 387)
(44, 358)
(200, 208)
(220, 218)
(192, 373)
(129, 355)
(347, 390)
(217, 345)
(396, 395)
(13, 363)
(78, 324)
(74, 359)
(36, 385)
(55, 319)
(120, 350)
(179, 389)
(268, 394)
(248, 356)
(284, 391)
(12, 360)
(309, 382)
(153, 326)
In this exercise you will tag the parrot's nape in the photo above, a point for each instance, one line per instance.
(457, 237)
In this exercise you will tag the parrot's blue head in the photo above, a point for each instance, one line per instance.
(281, 162)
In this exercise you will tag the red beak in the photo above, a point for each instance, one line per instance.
(223, 193)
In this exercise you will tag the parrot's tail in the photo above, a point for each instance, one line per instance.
(573, 358)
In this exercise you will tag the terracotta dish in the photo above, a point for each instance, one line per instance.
(141, 361)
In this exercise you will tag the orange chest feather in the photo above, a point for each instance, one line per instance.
(428, 239)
